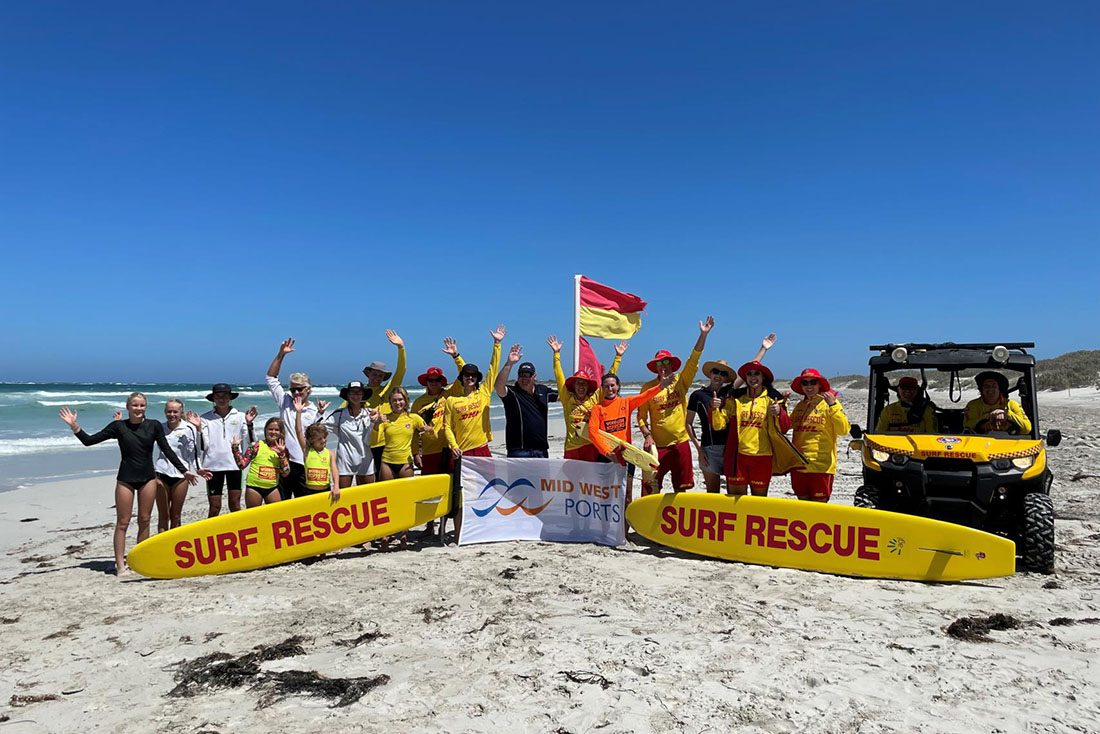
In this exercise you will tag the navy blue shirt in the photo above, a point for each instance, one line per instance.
(700, 403)
(526, 417)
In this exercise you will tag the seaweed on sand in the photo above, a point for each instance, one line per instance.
(345, 691)
(221, 670)
(977, 629)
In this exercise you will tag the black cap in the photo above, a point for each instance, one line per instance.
(471, 369)
(525, 367)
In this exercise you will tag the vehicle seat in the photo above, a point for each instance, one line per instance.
(950, 421)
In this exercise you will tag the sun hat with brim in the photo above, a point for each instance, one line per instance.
(222, 387)
(1001, 380)
(822, 383)
(719, 364)
(754, 365)
(381, 367)
(584, 377)
(663, 354)
(433, 373)
(470, 369)
(367, 392)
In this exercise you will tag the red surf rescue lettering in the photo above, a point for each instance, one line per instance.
(207, 549)
(320, 525)
(774, 532)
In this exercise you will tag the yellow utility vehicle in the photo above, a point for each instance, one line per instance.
(991, 476)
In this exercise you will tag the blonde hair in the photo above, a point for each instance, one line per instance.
(301, 378)
(135, 395)
(316, 431)
(177, 401)
(403, 392)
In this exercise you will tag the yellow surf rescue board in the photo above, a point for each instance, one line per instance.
(288, 531)
(850, 541)
(644, 460)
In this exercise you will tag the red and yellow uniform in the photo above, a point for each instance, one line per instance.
(576, 411)
(978, 410)
(748, 458)
(466, 417)
(613, 416)
(401, 435)
(816, 428)
(665, 415)
(435, 443)
(894, 418)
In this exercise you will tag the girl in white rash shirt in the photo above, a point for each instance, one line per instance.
(353, 425)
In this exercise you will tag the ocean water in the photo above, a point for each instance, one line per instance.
(36, 446)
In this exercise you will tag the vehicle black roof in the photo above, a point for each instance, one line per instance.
(949, 354)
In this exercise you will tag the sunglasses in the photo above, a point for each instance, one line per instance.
(663, 362)
(750, 373)
(809, 382)
(436, 379)
(720, 373)
(300, 388)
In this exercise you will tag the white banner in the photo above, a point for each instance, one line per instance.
(542, 499)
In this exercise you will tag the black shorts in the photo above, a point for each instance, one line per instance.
(396, 468)
(263, 491)
(231, 478)
(168, 481)
(376, 452)
(134, 486)
(293, 484)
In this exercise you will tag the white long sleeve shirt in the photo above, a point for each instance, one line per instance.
(217, 436)
(285, 402)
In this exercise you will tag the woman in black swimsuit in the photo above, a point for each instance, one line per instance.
(136, 437)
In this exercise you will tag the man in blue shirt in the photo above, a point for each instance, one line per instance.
(526, 405)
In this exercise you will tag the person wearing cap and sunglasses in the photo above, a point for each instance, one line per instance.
(662, 420)
(219, 427)
(353, 425)
(749, 456)
(293, 485)
(377, 373)
(994, 411)
(817, 422)
(578, 395)
(526, 409)
(910, 414)
(712, 446)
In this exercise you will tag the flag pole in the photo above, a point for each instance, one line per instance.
(576, 323)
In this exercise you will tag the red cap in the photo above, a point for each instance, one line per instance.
(796, 383)
(908, 382)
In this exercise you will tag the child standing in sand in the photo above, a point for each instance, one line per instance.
(321, 473)
(267, 460)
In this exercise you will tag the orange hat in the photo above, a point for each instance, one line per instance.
(433, 373)
(754, 365)
(663, 354)
(581, 375)
(796, 383)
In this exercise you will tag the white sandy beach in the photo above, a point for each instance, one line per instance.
(552, 637)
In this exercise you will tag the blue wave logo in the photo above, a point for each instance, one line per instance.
(531, 511)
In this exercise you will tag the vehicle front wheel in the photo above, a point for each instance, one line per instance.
(1037, 538)
(866, 497)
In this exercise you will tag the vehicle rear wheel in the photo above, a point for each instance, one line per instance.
(1037, 538)
(866, 497)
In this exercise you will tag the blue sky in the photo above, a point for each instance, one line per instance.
(184, 185)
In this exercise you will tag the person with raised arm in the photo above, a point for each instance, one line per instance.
(185, 438)
(353, 425)
(612, 415)
(711, 448)
(267, 460)
(577, 395)
(663, 420)
(526, 409)
(376, 373)
(219, 427)
(749, 453)
(320, 461)
(466, 420)
(818, 420)
(294, 484)
(136, 437)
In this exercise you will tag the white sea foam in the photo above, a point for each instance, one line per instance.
(18, 446)
(108, 403)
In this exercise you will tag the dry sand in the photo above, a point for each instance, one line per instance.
(550, 638)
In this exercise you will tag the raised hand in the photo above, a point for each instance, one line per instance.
(768, 342)
(375, 416)
(620, 348)
(554, 344)
(667, 380)
(706, 325)
(498, 333)
(395, 340)
(118, 415)
(515, 354)
(286, 347)
(250, 415)
(194, 419)
(716, 403)
(69, 416)
(450, 346)
(279, 446)
(299, 403)
(829, 397)
(322, 406)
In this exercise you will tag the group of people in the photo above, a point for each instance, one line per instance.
(737, 425)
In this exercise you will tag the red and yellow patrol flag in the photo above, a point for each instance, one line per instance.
(608, 313)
